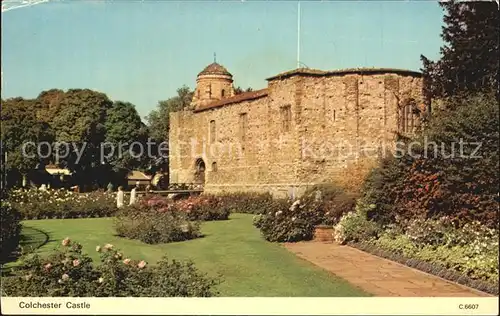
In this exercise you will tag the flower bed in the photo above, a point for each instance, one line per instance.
(247, 202)
(467, 255)
(36, 204)
(155, 224)
(429, 267)
(196, 208)
(70, 273)
(284, 221)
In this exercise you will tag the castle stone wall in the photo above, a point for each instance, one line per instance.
(333, 121)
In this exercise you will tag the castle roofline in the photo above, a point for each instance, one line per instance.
(251, 95)
(361, 71)
(215, 69)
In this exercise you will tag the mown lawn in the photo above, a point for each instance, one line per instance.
(249, 265)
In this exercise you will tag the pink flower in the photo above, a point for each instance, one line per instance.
(65, 277)
(48, 266)
(126, 261)
(141, 264)
(76, 262)
(66, 241)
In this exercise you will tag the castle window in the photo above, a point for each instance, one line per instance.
(286, 118)
(210, 91)
(243, 126)
(334, 116)
(214, 166)
(408, 116)
(212, 131)
(223, 92)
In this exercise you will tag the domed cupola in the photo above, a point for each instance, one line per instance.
(213, 83)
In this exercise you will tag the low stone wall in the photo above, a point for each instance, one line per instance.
(280, 191)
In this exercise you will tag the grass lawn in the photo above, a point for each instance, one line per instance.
(250, 266)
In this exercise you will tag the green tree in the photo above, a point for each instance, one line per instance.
(80, 121)
(158, 119)
(124, 127)
(239, 90)
(48, 104)
(469, 58)
(20, 127)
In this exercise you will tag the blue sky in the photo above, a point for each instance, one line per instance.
(141, 52)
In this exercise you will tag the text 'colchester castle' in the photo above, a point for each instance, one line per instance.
(301, 130)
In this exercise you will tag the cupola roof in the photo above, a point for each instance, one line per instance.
(215, 69)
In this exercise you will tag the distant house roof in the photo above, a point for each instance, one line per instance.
(55, 170)
(215, 69)
(251, 95)
(138, 175)
(317, 72)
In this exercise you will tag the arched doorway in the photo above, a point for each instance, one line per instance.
(199, 173)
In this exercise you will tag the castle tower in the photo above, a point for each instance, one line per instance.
(213, 83)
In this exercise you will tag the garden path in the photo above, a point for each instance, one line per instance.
(376, 275)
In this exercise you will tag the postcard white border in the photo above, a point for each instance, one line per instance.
(268, 306)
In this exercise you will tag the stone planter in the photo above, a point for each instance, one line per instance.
(323, 233)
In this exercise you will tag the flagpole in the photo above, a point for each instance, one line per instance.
(298, 34)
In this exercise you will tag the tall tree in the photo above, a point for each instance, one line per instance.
(48, 104)
(21, 133)
(80, 122)
(124, 127)
(158, 120)
(469, 58)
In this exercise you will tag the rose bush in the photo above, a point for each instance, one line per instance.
(37, 204)
(156, 224)
(71, 273)
(355, 226)
(247, 202)
(204, 208)
(286, 221)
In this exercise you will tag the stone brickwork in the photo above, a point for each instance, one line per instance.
(303, 129)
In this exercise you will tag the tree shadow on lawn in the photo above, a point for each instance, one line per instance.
(30, 240)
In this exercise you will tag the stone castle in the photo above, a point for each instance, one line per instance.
(301, 130)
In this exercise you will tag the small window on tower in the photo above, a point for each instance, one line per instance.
(212, 131)
(214, 166)
(286, 118)
(223, 92)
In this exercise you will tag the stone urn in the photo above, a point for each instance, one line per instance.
(323, 233)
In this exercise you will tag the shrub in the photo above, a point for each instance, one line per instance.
(203, 208)
(355, 226)
(328, 203)
(36, 204)
(471, 250)
(10, 229)
(432, 183)
(247, 202)
(70, 273)
(285, 223)
(155, 225)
